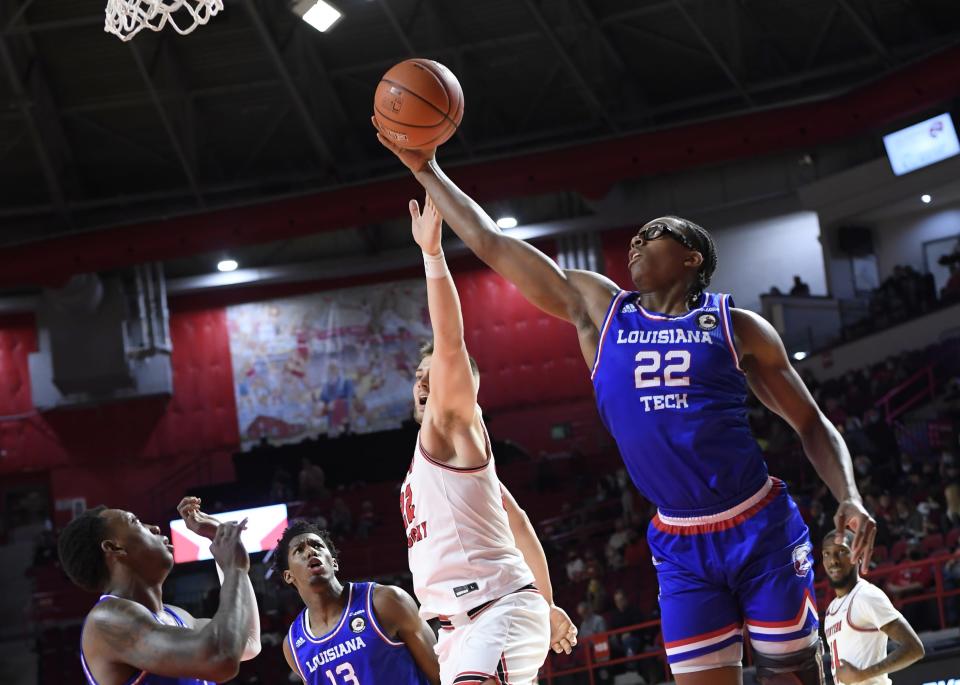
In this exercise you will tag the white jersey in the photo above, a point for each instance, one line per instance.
(852, 628)
(460, 547)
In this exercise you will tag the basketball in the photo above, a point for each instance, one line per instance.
(418, 104)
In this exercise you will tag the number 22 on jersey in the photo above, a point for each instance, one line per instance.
(648, 365)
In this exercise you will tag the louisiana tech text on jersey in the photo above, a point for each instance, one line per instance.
(331, 654)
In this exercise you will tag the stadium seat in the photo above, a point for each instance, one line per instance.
(932, 542)
(952, 538)
(898, 550)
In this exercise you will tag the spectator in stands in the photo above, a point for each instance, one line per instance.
(45, 548)
(596, 594)
(922, 522)
(616, 543)
(624, 615)
(951, 291)
(591, 623)
(341, 520)
(885, 507)
(628, 497)
(281, 487)
(636, 552)
(951, 516)
(881, 435)
(900, 524)
(367, 520)
(594, 567)
(799, 289)
(835, 412)
(912, 581)
(576, 568)
(313, 481)
(949, 467)
(951, 581)
(820, 523)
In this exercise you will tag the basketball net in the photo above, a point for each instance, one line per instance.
(125, 18)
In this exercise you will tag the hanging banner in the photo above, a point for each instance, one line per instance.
(327, 363)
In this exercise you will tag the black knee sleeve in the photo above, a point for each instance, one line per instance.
(798, 668)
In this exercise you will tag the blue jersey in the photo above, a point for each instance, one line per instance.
(670, 391)
(356, 651)
(144, 678)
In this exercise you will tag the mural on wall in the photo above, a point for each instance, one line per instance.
(327, 363)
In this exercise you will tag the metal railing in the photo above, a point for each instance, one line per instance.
(920, 386)
(588, 646)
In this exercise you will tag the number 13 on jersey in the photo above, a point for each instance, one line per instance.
(345, 670)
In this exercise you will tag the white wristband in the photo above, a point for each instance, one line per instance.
(435, 266)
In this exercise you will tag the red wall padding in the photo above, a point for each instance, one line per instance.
(533, 376)
(117, 453)
(525, 356)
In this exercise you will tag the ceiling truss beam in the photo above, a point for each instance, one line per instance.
(168, 126)
(583, 87)
(321, 147)
(714, 53)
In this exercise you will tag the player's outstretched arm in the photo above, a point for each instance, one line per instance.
(452, 402)
(206, 525)
(776, 383)
(397, 613)
(125, 632)
(537, 276)
(563, 633)
(909, 650)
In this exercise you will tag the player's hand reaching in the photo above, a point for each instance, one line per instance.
(414, 160)
(563, 634)
(197, 522)
(426, 226)
(227, 549)
(849, 674)
(851, 514)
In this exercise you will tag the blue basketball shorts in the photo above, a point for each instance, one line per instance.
(749, 566)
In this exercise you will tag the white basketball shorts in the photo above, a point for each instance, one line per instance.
(507, 640)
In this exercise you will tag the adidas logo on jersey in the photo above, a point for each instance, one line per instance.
(300, 641)
(628, 308)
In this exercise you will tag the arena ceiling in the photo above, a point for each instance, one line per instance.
(257, 105)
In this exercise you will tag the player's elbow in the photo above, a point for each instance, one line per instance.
(222, 667)
(251, 649)
(917, 650)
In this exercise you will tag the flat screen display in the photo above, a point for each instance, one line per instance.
(922, 144)
(265, 525)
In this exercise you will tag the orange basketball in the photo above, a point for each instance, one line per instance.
(418, 104)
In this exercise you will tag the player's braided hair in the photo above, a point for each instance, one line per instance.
(299, 527)
(79, 550)
(704, 244)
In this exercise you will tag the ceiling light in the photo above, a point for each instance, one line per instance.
(799, 356)
(925, 199)
(227, 265)
(319, 14)
(507, 222)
